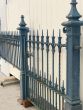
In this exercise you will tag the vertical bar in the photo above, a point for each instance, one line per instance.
(36, 93)
(30, 49)
(40, 92)
(50, 93)
(47, 49)
(53, 51)
(33, 85)
(62, 102)
(56, 94)
(45, 99)
(16, 62)
(5, 49)
(30, 43)
(12, 51)
(9, 49)
(63, 92)
(15, 53)
(42, 48)
(59, 49)
(37, 67)
(2, 48)
(19, 57)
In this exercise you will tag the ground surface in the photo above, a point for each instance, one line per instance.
(8, 97)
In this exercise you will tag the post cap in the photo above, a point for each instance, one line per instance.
(22, 22)
(73, 16)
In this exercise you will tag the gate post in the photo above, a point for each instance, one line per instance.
(23, 30)
(72, 30)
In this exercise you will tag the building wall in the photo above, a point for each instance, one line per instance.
(8, 69)
(3, 15)
(40, 14)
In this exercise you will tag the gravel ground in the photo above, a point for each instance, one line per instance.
(8, 97)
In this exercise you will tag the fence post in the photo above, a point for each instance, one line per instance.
(72, 30)
(23, 30)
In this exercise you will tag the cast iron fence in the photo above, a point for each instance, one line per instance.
(39, 82)
(10, 47)
(45, 89)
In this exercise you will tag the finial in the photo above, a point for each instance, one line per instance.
(73, 15)
(47, 32)
(22, 23)
(42, 32)
(37, 33)
(53, 32)
(33, 32)
(59, 33)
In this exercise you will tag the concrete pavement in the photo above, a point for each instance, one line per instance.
(8, 97)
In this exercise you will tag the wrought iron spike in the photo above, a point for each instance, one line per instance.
(59, 32)
(37, 40)
(42, 41)
(53, 32)
(47, 37)
(47, 42)
(59, 40)
(53, 42)
(42, 32)
(37, 33)
(47, 32)
(33, 32)
(62, 88)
